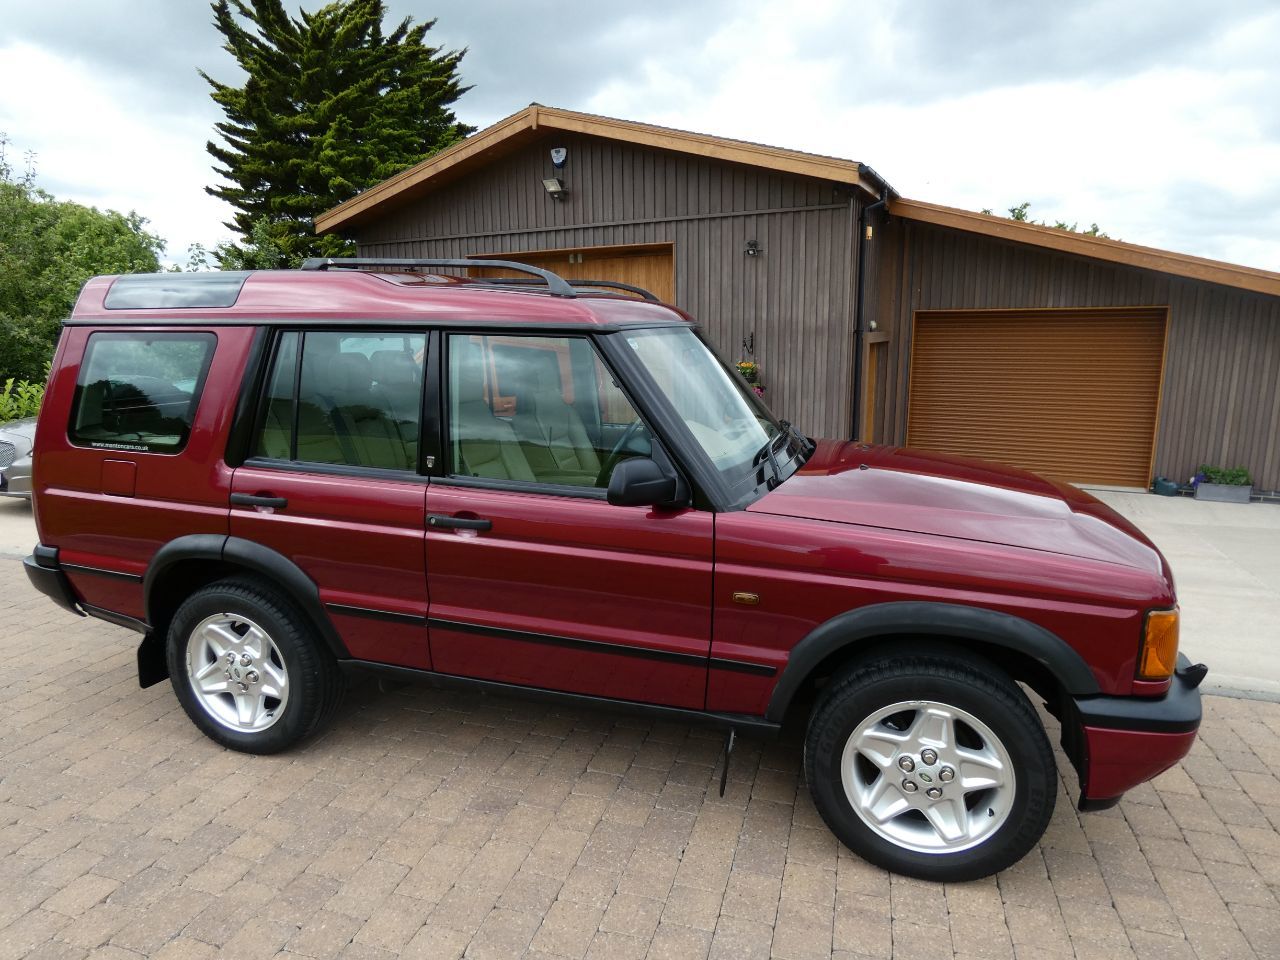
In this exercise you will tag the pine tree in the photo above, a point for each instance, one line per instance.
(331, 106)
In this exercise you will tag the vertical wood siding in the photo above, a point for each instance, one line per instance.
(1220, 401)
(797, 296)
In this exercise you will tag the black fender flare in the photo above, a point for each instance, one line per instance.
(930, 619)
(253, 557)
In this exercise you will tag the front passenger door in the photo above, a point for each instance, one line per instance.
(534, 578)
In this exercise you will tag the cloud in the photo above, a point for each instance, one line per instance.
(102, 151)
(1131, 145)
(156, 46)
(558, 54)
(1154, 119)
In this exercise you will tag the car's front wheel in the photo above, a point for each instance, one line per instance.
(247, 668)
(931, 765)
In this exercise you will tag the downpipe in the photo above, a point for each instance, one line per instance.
(864, 235)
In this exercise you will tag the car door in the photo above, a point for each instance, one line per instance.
(333, 483)
(534, 578)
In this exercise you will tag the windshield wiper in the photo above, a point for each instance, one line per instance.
(766, 453)
(807, 446)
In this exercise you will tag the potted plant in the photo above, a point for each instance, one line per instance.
(1223, 485)
(750, 371)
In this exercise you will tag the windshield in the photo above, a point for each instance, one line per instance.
(728, 421)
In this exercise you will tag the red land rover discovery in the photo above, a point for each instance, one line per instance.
(530, 486)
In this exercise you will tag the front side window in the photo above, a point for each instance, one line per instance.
(139, 391)
(344, 398)
(537, 409)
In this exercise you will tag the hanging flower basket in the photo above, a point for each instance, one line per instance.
(750, 371)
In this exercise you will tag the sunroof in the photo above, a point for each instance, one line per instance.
(157, 291)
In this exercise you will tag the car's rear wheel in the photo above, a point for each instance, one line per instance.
(931, 765)
(247, 668)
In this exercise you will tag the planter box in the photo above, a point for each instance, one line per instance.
(1223, 492)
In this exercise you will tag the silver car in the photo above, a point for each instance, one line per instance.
(16, 440)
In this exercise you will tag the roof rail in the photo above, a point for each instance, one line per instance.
(611, 284)
(556, 284)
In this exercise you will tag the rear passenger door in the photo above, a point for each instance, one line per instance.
(535, 579)
(333, 482)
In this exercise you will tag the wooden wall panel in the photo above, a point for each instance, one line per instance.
(796, 297)
(1220, 400)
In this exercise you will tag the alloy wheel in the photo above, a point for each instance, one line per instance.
(928, 776)
(237, 673)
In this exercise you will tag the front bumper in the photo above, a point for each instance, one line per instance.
(1129, 740)
(15, 480)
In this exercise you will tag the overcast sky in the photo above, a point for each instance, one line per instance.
(1159, 120)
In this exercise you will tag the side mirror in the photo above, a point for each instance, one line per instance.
(641, 482)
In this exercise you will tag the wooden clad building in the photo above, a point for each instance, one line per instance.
(1087, 359)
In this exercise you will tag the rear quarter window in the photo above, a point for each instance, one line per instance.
(139, 391)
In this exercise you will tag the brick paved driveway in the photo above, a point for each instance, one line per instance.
(426, 824)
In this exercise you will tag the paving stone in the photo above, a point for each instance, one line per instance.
(616, 946)
(692, 907)
(632, 915)
(324, 935)
(568, 928)
(433, 824)
(804, 929)
(674, 942)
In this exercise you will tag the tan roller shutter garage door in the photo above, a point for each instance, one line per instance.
(1072, 394)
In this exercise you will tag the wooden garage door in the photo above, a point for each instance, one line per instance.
(1072, 394)
(650, 266)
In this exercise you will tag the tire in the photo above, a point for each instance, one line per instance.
(906, 718)
(283, 685)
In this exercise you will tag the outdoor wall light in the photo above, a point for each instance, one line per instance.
(555, 187)
(753, 248)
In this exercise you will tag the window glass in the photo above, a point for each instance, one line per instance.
(275, 438)
(729, 422)
(358, 400)
(139, 391)
(537, 409)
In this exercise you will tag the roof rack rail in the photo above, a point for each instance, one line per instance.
(611, 284)
(556, 284)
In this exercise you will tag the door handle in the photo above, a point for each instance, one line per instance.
(252, 500)
(457, 523)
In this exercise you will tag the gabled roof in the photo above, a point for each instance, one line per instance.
(1096, 248)
(520, 128)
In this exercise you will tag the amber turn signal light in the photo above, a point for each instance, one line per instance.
(1159, 653)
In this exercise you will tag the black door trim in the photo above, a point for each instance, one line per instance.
(739, 721)
(371, 614)
(597, 646)
(602, 646)
(102, 572)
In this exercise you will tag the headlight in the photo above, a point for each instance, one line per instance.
(1159, 653)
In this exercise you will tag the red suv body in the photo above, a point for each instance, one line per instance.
(273, 476)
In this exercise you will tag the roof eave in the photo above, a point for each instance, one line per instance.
(1095, 248)
(513, 130)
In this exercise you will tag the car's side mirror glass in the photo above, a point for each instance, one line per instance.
(642, 482)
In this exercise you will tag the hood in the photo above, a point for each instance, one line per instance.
(897, 488)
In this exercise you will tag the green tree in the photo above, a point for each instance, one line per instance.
(1020, 214)
(331, 105)
(48, 249)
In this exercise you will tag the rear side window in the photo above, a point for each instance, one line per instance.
(344, 398)
(139, 391)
